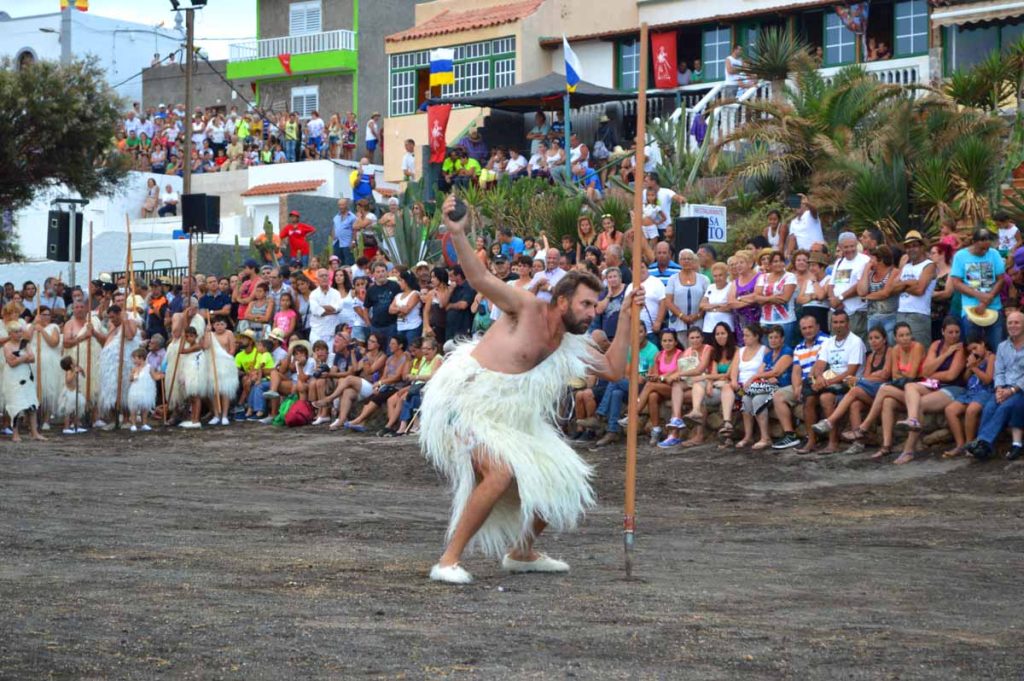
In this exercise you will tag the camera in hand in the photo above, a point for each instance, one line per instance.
(458, 211)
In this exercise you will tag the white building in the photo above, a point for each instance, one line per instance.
(123, 48)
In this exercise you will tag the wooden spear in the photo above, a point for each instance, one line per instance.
(632, 410)
(39, 356)
(124, 319)
(213, 366)
(88, 343)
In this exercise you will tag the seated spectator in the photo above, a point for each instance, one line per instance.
(662, 373)
(291, 375)
(1007, 407)
(152, 201)
(693, 365)
(714, 386)
(168, 202)
(906, 362)
(745, 366)
(538, 165)
(773, 374)
(863, 389)
(390, 382)
(941, 383)
(964, 413)
(516, 166)
(358, 386)
(414, 395)
(615, 395)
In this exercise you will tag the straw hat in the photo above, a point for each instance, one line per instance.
(296, 342)
(988, 318)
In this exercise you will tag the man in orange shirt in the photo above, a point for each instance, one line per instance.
(295, 234)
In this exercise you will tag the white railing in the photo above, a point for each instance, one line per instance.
(901, 71)
(294, 44)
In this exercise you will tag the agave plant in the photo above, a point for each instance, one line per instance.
(777, 53)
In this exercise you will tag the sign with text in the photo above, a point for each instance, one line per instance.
(717, 230)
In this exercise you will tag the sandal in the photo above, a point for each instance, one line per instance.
(913, 425)
(761, 444)
(881, 453)
(853, 435)
(953, 453)
(905, 457)
(726, 429)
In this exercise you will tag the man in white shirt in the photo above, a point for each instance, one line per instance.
(804, 229)
(842, 290)
(324, 305)
(132, 124)
(543, 282)
(652, 156)
(409, 161)
(840, 357)
(665, 199)
(654, 293)
(168, 202)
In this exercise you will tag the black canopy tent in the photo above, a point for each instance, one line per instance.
(542, 94)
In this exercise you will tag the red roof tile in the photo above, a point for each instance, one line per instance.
(454, 22)
(283, 188)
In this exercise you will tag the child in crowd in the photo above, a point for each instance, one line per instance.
(141, 392)
(194, 368)
(72, 402)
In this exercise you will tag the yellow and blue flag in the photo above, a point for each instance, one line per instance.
(442, 66)
(573, 70)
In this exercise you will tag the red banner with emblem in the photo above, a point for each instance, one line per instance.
(286, 62)
(437, 126)
(663, 50)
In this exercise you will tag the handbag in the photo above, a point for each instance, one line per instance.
(761, 388)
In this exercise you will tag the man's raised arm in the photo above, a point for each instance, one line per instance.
(509, 299)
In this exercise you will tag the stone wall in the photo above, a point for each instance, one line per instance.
(166, 84)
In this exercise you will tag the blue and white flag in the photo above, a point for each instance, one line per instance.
(573, 71)
(442, 67)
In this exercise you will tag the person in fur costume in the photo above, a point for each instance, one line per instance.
(488, 417)
(223, 356)
(78, 337)
(48, 345)
(115, 361)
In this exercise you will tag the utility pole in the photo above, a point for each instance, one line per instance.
(186, 170)
(65, 35)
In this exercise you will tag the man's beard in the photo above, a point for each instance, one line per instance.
(573, 324)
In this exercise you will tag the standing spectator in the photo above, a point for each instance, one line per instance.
(1008, 234)
(458, 315)
(1007, 407)
(407, 307)
(168, 202)
(362, 181)
(296, 234)
(350, 128)
(379, 295)
(324, 305)
(683, 294)
(543, 282)
(776, 296)
(334, 135)
(916, 286)
(291, 137)
(666, 197)
(409, 161)
(342, 233)
(315, 131)
(663, 268)
(805, 228)
(945, 301)
(878, 287)
(538, 133)
(776, 232)
(743, 292)
(977, 273)
(373, 135)
(842, 290)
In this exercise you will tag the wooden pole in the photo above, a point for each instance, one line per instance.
(181, 342)
(213, 366)
(39, 356)
(88, 342)
(632, 411)
(124, 318)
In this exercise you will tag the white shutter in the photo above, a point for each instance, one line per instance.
(304, 18)
(305, 100)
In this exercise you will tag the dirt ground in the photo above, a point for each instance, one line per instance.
(257, 553)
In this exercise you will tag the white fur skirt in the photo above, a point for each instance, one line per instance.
(72, 402)
(110, 363)
(142, 393)
(468, 410)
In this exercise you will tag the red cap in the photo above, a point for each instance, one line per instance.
(294, 212)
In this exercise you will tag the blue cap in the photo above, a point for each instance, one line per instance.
(249, 262)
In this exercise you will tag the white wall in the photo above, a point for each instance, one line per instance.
(122, 54)
(597, 58)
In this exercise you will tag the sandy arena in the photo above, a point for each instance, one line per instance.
(258, 553)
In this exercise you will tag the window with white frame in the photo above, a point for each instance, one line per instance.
(304, 17)
(629, 64)
(911, 28)
(717, 46)
(478, 67)
(305, 100)
(839, 41)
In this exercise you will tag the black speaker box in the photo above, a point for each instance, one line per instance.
(200, 214)
(58, 233)
(689, 233)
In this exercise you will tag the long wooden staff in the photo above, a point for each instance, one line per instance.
(213, 365)
(632, 409)
(124, 319)
(39, 355)
(181, 342)
(88, 342)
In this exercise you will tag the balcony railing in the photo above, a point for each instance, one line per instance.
(293, 44)
(899, 71)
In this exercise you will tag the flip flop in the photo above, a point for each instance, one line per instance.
(881, 454)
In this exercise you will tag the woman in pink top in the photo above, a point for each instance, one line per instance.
(658, 384)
